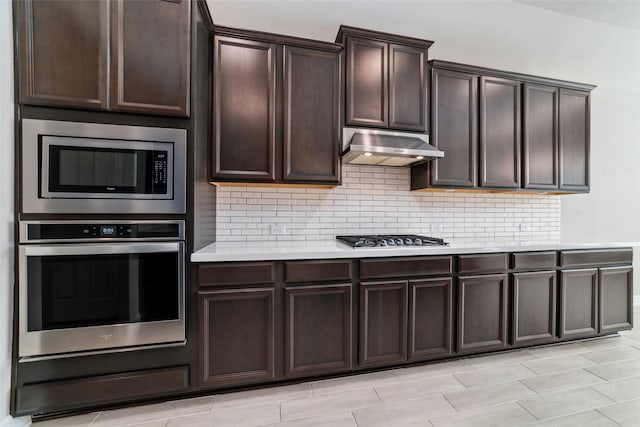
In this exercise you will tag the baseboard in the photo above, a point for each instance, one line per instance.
(9, 421)
(636, 300)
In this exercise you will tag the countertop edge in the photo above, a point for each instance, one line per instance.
(281, 251)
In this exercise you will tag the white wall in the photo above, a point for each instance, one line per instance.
(6, 202)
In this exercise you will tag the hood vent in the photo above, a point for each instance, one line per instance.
(382, 148)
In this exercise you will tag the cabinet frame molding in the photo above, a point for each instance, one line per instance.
(548, 336)
(562, 184)
(586, 331)
(602, 273)
(447, 349)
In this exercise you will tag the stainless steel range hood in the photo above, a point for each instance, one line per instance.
(386, 148)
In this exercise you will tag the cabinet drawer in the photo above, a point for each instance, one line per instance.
(235, 273)
(533, 260)
(598, 257)
(313, 271)
(482, 263)
(404, 267)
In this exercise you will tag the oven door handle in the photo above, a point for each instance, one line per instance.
(101, 249)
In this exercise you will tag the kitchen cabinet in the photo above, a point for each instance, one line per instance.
(596, 292)
(104, 55)
(318, 334)
(454, 128)
(383, 323)
(408, 316)
(237, 323)
(482, 302)
(504, 131)
(430, 318)
(534, 298)
(276, 109)
(386, 82)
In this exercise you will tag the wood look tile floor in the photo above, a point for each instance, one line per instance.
(589, 383)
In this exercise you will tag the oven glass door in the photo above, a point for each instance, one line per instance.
(87, 296)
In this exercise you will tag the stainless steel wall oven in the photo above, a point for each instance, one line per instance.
(97, 286)
(70, 167)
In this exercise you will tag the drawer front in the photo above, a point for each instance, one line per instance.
(489, 263)
(598, 257)
(315, 271)
(242, 273)
(533, 260)
(405, 267)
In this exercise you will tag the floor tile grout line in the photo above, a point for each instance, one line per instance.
(517, 402)
(95, 418)
(606, 416)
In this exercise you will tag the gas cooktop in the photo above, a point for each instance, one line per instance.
(390, 240)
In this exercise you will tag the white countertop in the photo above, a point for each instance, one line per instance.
(326, 249)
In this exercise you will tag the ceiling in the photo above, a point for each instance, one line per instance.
(621, 13)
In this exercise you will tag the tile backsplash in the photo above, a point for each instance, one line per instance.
(374, 199)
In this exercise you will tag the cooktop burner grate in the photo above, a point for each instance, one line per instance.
(390, 240)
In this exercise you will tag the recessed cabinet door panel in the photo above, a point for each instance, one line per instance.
(318, 329)
(151, 45)
(540, 137)
(383, 323)
(237, 336)
(574, 140)
(367, 91)
(534, 307)
(430, 318)
(407, 88)
(500, 121)
(579, 303)
(482, 313)
(616, 298)
(64, 49)
(454, 128)
(244, 112)
(311, 114)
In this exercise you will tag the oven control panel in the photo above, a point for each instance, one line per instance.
(39, 231)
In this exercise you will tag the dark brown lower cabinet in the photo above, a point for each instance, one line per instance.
(615, 298)
(383, 323)
(318, 334)
(534, 307)
(579, 303)
(237, 336)
(430, 318)
(482, 313)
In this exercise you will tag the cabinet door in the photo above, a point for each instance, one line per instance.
(500, 121)
(367, 81)
(454, 128)
(579, 303)
(63, 53)
(318, 329)
(383, 323)
(574, 140)
(534, 307)
(311, 116)
(482, 313)
(244, 112)
(540, 137)
(407, 93)
(616, 299)
(430, 318)
(150, 53)
(237, 336)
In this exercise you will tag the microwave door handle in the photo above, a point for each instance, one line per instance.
(102, 249)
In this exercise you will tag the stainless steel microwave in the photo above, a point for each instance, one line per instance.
(72, 167)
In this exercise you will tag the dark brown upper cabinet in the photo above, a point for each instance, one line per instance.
(121, 55)
(276, 109)
(532, 133)
(386, 82)
(150, 56)
(454, 106)
(574, 140)
(500, 132)
(540, 137)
